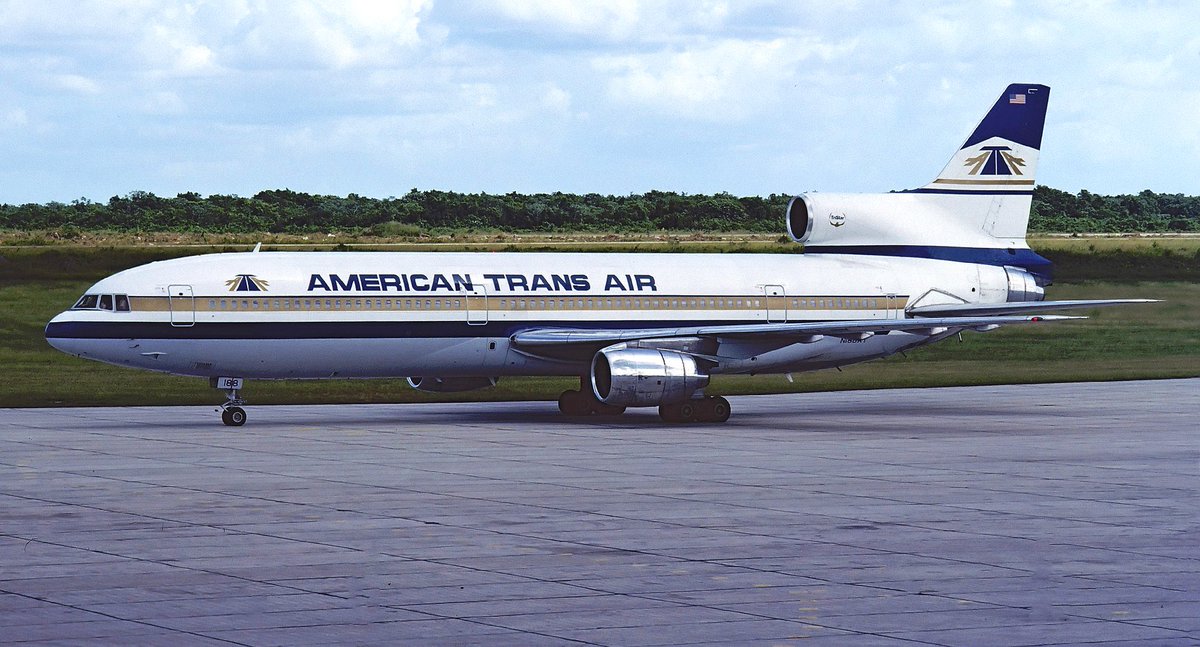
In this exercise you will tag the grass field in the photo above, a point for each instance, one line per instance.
(1151, 341)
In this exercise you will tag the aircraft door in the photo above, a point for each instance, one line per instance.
(776, 302)
(477, 305)
(182, 304)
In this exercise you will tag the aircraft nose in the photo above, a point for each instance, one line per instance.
(54, 332)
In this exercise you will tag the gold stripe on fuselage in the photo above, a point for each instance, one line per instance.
(510, 303)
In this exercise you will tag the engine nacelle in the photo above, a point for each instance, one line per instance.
(430, 384)
(644, 377)
(1022, 286)
(874, 219)
(862, 219)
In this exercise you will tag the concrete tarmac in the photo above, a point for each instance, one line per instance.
(1006, 515)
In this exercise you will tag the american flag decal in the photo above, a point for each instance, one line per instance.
(1018, 99)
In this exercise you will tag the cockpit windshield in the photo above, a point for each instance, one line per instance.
(109, 302)
(86, 302)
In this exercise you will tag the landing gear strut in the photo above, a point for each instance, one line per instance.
(232, 413)
(584, 403)
(708, 409)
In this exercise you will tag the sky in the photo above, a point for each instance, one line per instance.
(582, 96)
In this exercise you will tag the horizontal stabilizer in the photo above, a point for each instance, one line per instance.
(1024, 307)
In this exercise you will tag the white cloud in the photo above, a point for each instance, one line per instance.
(14, 118)
(556, 99)
(721, 80)
(76, 83)
(326, 34)
(747, 96)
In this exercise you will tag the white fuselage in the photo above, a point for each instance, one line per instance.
(288, 315)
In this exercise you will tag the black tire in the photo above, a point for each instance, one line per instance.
(225, 417)
(237, 416)
(720, 409)
(573, 403)
(687, 410)
(669, 412)
(608, 409)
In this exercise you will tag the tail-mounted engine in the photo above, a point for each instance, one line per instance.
(1022, 286)
(822, 219)
(644, 377)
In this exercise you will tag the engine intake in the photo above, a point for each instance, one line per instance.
(431, 384)
(644, 377)
(799, 219)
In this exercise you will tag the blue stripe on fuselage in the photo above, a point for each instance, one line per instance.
(1027, 259)
(339, 329)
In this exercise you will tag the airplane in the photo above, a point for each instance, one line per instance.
(880, 274)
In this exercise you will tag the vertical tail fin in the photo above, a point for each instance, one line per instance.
(975, 211)
(1001, 155)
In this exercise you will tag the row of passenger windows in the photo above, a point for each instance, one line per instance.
(110, 302)
(497, 304)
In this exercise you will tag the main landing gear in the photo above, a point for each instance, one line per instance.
(584, 403)
(708, 409)
(232, 413)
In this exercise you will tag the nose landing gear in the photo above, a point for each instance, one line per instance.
(232, 413)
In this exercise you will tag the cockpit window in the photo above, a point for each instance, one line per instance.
(86, 302)
(110, 302)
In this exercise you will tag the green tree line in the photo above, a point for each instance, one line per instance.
(286, 211)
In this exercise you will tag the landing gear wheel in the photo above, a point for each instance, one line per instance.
(602, 409)
(710, 409)
(718, 409)
(234, 416)
(573, 403)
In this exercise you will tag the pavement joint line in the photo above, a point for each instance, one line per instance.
(696, 519)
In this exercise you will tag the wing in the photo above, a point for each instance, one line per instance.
(986, 309)
(788, 333)
(721, 342)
